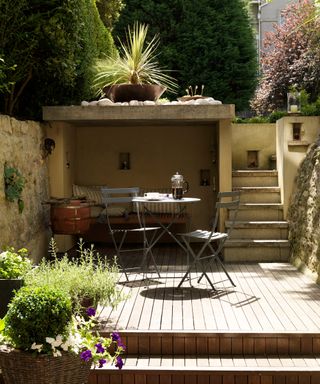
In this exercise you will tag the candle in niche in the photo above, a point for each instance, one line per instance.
(293, 108)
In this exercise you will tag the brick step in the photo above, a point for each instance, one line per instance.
(259, 229)
(254, 250)
(254, 178)
(259, 194)
(211, 369)
(219, 343)
(259, 211)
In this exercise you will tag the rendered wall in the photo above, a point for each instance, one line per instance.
(290, 152)
(156, 153)
(21, 146)
(254, 137)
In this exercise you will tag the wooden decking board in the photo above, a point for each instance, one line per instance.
(269, 297)
(284, 284)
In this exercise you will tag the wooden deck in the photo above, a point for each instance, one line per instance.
(268, 297)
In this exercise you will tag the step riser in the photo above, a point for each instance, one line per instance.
(260, 197)
(259, 233)
(200, 376)
(254, 181)
(258, 214)
(146, 343)
(256, 254)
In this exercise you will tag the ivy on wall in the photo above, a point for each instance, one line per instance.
(14, 184)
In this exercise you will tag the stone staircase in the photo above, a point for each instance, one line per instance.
(260, 232)
(215, 358)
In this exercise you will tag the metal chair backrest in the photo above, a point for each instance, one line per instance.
(118, 195)
(227, 200)
(112, 196)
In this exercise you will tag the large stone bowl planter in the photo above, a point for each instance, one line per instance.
(7, 288)
(127, 92)
(21, 367)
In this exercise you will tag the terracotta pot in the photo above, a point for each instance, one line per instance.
(7, 287)
(70, 219)
(127, 92)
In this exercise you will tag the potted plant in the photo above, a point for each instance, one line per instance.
(43, 342)
(134, 74)
(89, 279)
(14, 266)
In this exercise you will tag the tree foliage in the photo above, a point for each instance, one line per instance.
(204, 42)
(52, 44)
(109, 11)
(291, 58)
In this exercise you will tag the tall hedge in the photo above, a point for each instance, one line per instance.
(203, 42)
(52, 43)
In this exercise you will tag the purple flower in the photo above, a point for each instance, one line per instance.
(86, 355)
(100, 348)
(91, 311)
(115, 336)
(119, 363)
(102, 362)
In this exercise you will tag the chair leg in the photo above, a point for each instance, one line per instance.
(215, 256)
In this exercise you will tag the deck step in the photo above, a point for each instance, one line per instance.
(259, 229)
(170, 369)
(256, 250)
(220, 343)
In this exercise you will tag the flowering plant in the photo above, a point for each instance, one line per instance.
(83, 341)
(40, 320)
(14, 264)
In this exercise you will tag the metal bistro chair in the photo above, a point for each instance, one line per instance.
(212, 240)
(118, 233)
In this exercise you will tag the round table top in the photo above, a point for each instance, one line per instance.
(165, 199)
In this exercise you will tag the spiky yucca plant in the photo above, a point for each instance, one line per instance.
(136, 63)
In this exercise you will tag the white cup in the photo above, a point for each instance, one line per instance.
(152, 195)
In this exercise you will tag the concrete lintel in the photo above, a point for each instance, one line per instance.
(156, 113)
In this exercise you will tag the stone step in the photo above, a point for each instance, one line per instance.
(256, 211)
(200, 343)
(259, 230)
(259, 194)
(195, 369)
(254, 178)
(254, 250)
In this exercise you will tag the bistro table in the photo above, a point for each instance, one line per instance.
(144, 206)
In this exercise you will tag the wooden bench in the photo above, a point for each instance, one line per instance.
(98, 231)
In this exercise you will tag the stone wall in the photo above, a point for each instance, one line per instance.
(21, 146)
(304, 214)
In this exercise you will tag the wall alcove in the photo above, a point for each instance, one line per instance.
(160, 141)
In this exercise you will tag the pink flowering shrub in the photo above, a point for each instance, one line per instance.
(291, 58)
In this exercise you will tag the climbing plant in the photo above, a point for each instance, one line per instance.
(14, 184)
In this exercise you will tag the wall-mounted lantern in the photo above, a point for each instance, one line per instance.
(293, 102)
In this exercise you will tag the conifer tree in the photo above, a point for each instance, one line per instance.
(203, 42)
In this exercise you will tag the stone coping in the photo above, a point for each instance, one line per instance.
(147, 113)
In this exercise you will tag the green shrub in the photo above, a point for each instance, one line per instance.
(14, 265)
(52, 45)
(37, 313)
(87, 278)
